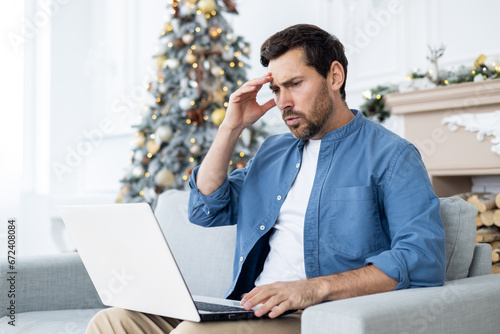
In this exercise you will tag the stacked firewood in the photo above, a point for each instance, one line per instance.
(495, 253)
(487, 220)
(488, 207)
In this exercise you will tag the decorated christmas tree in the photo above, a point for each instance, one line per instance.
(200, 62)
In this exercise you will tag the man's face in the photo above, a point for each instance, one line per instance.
(302, 95)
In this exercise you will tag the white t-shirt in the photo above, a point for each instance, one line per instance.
(285, 261)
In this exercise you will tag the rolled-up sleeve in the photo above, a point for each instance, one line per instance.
(220, 207)
(417, 254)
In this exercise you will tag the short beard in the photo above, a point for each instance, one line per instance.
(321, 112)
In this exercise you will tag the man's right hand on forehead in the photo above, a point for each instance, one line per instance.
(243, 109)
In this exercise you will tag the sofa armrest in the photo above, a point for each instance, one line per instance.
(481, 260)
(468, 305)
(43, 283)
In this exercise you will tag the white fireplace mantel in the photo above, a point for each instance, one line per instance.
(485, 124)
(451, 157)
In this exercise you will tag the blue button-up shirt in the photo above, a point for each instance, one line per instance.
(371, 203)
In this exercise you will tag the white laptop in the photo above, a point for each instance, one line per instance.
(131, 266)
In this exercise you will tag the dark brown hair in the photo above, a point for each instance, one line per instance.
(320, 48)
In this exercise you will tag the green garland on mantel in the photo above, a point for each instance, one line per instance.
(374, 107)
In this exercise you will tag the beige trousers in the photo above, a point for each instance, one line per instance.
(120, 321)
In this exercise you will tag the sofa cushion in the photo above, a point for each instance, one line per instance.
(204, 255)
(460, 232)
(49, 322)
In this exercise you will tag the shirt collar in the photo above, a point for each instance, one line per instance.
(344, 131)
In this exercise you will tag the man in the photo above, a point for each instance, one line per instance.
(341, 207)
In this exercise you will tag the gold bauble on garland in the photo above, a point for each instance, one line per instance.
(480, 61)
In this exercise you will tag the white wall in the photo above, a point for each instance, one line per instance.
(11, 138)
(86, 67)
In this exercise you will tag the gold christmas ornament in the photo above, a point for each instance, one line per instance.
(164, 133)
(216, 71)
(191, 58)
(187, 38)
(161, 61)
(480, 61)
(218, 116)
(168, 27)
(195, 149)
(141, 139)
(497, 68)
(165, 178)
(214, 32)
(152, 147)
(206, 6)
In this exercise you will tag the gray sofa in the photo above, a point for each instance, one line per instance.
(54, 293)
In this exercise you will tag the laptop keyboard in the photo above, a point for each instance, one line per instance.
(217, 307)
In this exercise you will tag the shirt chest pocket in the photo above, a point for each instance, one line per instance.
(352, 221)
